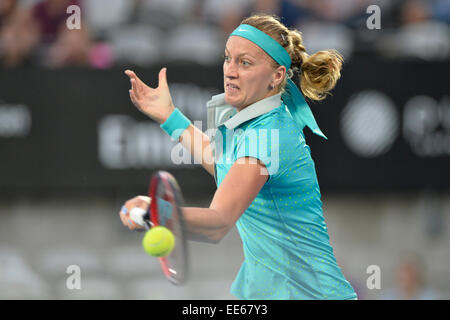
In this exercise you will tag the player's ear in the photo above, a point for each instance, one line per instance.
(279, 75)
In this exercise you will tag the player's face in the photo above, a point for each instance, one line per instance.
(247, 73)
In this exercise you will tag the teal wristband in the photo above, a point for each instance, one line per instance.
(175, 124)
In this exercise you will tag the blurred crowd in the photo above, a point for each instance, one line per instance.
(144, 32)
(410, 281)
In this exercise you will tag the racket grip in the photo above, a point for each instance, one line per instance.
(147, 223)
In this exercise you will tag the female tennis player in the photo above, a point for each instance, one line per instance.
(266, 179)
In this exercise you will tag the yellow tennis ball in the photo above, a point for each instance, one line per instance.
(158, 241)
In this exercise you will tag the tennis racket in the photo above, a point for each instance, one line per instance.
(165, 210)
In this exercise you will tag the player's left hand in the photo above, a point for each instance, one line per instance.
(153, 102)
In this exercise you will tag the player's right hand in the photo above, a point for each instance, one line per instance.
(132, 212)
(155, 103)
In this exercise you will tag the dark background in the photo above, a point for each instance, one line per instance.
(61, 150)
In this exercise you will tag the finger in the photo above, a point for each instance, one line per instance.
(139, 83)
(124, 219)
(145, 198)
(133, 202)
(131, 74)
(121, 216)
(133, 98)
(134, 88)
(131, 224)
(124, 215)
(133, 210)
(162, 78)
(143, 202)
(123, 211)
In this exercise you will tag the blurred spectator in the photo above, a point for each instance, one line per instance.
(7, 8)
(267, 6)
(136, 44)
(143, 32)
(18, 33)
(316, 22)
(195, 42)
(419, 36)
(59, 46)
(321, 36)
(441, 10)
(130, 31)
(295, 12)
(228, 17)
(106, 15)
(190, 30)
(410, 281)
(71, 48)
(336, 10)
(37, 34)
(49, 16)
(167, 15)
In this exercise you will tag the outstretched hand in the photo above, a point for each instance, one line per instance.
(155, 103)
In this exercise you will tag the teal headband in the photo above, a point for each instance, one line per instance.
(292, 97)
(265, 42)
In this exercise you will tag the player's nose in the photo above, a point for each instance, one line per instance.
(230, 70)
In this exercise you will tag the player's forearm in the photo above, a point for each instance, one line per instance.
(198, 144)
(205, 225)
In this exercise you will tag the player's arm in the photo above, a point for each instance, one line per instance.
(234, 195)
(198, 144)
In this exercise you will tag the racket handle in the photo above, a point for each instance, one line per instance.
(147, 223)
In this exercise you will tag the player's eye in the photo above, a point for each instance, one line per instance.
(245, 63)
(225, 58)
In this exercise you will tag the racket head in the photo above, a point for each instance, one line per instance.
(168, 213)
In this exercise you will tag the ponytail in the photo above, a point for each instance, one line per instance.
(318, 73)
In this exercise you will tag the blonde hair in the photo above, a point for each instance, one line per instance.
(318, 73)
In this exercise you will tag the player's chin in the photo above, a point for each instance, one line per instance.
(233, 100)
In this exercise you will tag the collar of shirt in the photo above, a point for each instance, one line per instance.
(252, 111)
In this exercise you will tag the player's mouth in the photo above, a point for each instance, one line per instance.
(231, 88)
